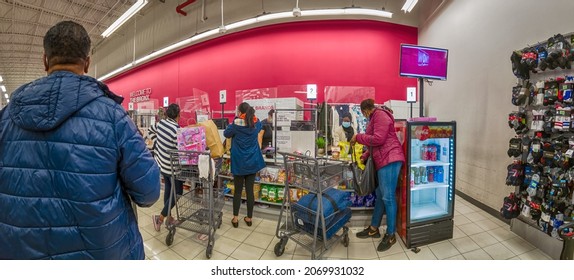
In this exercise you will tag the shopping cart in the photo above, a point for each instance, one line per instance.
(566, 232)
(311, 228)
(199, 209)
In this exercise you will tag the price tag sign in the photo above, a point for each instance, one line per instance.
(131, 106)
(165, 101)
(412, 94)
(222, 96)
(311, 91)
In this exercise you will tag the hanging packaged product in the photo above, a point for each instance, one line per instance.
(191, 139)
(539, 100)
(537, 123)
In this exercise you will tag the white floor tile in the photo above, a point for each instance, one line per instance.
(464, 245)
(444, 250)
(226, 245)
(188, 249)
(499, 252)
(259, 240)
(167, 255)
(483, 239)
(476, 216)
(247, 252)
(502, 234)
(267, 227)
(471, 229)
(231, 259)
(457, 233)
(461, 220)
(145, 235)
(301, 251)
(487, 224)
(298, 257)
(518, 245)
(362, 251)
(425, 253)
(238, 234)
(154, 246)
(397, 256)
(457, 257)
(477, 255)
(499, 222)
(463, 209)
(534, 255)
(337, 251)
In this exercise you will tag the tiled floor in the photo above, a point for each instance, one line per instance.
(477, 236)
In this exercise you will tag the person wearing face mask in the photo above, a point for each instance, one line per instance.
(388, 157)
(345, 131)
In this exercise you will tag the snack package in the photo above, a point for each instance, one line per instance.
(269, 174)
(257, 191)
(344, 151)
(370, 200)
(264, 192)
(272, 194)
(357, 153)
(293, 194)
(280, 194)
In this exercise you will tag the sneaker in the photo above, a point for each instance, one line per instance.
(174, 222)
(387, 242)
(369, 232)
(156, 222)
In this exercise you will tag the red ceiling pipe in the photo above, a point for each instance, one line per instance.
(183, 5)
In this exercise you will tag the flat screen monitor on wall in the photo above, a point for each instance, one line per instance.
(423, 62)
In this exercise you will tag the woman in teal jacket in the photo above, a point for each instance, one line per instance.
(246, 158)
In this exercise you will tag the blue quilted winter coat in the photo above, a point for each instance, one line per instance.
(70, 161)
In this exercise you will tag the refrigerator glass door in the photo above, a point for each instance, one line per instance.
(431, 159)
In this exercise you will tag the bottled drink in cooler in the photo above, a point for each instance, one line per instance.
(423, 174)
(439, 174)
(430, 174)
(415, 171)
(424, 152)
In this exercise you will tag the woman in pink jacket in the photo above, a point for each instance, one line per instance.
(388, 157)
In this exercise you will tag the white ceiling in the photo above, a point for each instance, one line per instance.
(23, 24)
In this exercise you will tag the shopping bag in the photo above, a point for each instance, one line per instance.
(364, 179)
(212, 138)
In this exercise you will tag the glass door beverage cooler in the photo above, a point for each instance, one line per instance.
(426, 199)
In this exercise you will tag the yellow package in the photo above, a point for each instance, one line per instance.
(344, 152)
(357, 153)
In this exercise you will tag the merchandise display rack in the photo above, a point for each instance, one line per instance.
(543, 149)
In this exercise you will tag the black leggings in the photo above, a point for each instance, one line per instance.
(239, 182)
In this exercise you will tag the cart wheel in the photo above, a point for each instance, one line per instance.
(346, 240)
(208, 251)
(416, 250)
(169, 238)
(220, 222)
(279, 249)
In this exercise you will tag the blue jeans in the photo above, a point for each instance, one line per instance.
(388, 177)
(167, 192)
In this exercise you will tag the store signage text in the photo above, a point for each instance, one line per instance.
(140, 95)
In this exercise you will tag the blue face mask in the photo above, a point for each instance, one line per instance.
(346, 124)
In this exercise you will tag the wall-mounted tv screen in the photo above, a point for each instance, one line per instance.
(423, 62)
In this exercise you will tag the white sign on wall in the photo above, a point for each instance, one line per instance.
(202, 118)
(311, 91)
(412, 94)
(130, 106)
(222, 96)
(165, 101)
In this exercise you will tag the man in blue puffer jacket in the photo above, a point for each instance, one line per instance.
(70, 162)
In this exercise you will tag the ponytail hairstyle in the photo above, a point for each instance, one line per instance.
(250, 117)
(245, 108)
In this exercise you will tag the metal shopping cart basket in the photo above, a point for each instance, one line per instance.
(311, 228)
(199, 209)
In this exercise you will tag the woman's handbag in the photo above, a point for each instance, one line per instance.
(364, 180)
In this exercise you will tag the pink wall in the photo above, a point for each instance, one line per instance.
(326, 53)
